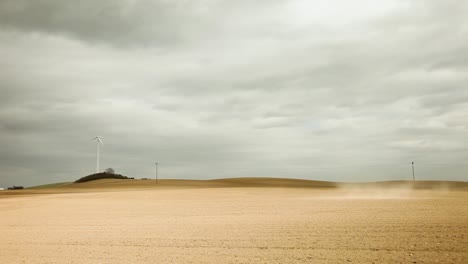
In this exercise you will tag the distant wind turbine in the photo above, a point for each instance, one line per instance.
(99, 142)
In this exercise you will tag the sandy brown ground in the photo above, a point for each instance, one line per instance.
(235, 225)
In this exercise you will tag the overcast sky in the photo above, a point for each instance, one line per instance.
(326, 90)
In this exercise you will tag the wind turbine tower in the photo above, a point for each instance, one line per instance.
(99, 142)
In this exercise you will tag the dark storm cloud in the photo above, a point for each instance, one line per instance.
(125, 22)
(113, 21)
(328, 90)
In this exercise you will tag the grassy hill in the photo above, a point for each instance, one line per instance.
(247, 182)
(111, 185)
(216, 183)
(47, 186)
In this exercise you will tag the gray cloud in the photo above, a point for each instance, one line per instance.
(129, 22)
(323, 90)
(119, 22)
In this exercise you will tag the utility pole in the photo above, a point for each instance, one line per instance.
(156, 172)
(412, 165)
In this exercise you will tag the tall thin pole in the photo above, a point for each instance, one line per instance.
(156, 172)
(412, 165)
(98, 142)
(97, 162)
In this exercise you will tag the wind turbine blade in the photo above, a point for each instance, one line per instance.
(100, 141)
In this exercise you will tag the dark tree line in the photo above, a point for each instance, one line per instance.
(108, 174)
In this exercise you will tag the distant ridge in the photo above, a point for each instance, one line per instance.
(214, 183)
(274, 182)
(112, 185)
(104, 185)
(109, 183)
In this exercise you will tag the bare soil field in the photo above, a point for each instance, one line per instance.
(187, 222)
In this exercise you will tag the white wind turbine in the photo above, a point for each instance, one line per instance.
(99, 142)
